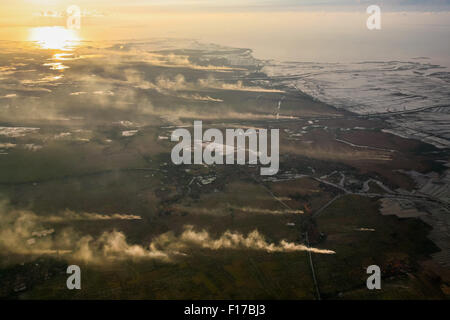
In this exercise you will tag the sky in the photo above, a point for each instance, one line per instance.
(307, 30)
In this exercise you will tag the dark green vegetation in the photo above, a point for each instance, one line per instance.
(364, 237)
(210, 275)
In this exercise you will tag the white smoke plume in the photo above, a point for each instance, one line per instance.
(225, 211)
(233, 240)
(112, 246)
(198, 97)
(69, 215)
(25, 233)
(267, 211)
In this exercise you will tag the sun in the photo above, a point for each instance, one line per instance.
(59, 38)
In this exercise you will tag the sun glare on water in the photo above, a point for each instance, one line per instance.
(57, 38)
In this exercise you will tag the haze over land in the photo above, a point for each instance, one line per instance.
(86, 175)
(325, 31)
